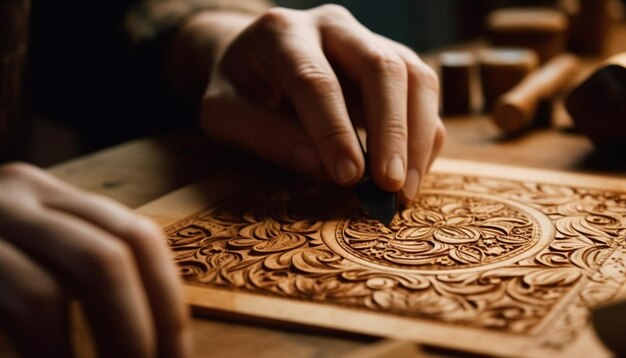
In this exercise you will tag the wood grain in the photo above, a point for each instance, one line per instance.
(486, 254)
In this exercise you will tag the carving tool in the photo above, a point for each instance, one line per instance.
(514, 111)
(380, 204)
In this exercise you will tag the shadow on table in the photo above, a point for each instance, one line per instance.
(609, 160)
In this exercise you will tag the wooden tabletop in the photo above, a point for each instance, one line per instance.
(142, 170)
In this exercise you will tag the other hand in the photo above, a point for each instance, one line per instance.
(59, 242)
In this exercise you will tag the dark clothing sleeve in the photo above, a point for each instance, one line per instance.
(98, 65)
(151, 19)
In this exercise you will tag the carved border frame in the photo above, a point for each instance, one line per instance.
(566, 323)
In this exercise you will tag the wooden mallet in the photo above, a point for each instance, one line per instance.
(515, 110)
(598, 105)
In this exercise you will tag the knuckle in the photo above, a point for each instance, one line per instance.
(27, 183)
(143, 233)
(334, 11)
(36, 299)
(385, 62)
(276, 18)
(395, 130)
(18, 170)
(135, 229)
(424, 76)
(311, 80)
(334, 132)
(42, 294)
(148, 227)
(109, 261)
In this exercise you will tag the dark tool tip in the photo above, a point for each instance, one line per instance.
(382, 205)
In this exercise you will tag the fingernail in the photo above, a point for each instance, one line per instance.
(305, 158)
(411, 185)
(345, 171)
(395, 169)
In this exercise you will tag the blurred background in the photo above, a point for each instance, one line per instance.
(421, 24)
(424, 25)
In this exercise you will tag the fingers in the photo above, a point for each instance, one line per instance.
(291, 53)
(426, 131)
(382, 75)
(159, 277)
(400, 99)
(113, 235)
(32, 306)
(440, 137)
(287, 52)
(100, 271)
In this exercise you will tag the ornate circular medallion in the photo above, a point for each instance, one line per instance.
(444, 232)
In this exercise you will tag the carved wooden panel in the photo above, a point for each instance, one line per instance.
(487, 255)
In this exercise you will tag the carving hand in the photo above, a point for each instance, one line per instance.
(57, 242)
(289, 85)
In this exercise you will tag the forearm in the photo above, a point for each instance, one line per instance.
(176, 40)
(197, 45)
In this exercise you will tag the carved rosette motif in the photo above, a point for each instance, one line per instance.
(444, 232)
(479, 252)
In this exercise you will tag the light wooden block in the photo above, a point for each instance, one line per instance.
(543, 30)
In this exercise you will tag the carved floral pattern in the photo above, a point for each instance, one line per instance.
(471, 251)
(444, 230)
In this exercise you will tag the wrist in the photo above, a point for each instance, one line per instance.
(197, 46)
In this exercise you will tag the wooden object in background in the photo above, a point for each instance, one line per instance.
(609, 322)
(456, 70)
(589, 25)
(470, 15)
(542, 29)
(501, 69)
(515, 110)
(14, 25)
(508, 261)
(598, 105)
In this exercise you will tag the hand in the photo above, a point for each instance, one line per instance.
(331, 71)
(56, 242)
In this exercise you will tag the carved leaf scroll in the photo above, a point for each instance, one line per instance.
(486, 253)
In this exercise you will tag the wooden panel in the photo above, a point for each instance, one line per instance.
(504, 259)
